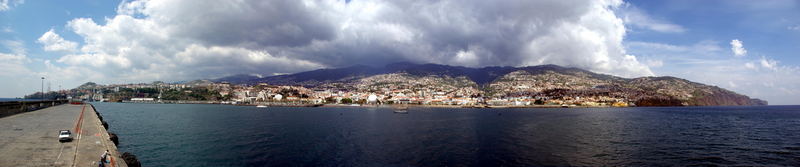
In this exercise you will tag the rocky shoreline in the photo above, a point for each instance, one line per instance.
(129, 158)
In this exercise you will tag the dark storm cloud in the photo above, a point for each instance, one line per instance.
(251, 23)
(229, 37)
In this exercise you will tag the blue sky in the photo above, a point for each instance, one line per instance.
(769, 28)
(768, 31)
(750, 47)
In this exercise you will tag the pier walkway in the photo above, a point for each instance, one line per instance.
(31, 138)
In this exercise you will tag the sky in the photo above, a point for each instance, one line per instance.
(750, 47)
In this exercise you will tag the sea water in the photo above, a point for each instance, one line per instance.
(225, 135)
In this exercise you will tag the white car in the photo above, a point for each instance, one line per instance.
(64, 135)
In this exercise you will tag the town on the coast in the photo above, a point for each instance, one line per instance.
(429, 85)
(418, 92)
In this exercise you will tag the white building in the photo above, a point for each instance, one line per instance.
(372, 99)
(142, 99)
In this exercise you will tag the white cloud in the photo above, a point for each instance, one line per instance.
(738, 48)
(15, 46)
(732, 85)
(96, 60)
(657, 46)
(654, 63)
(466, 58)
(669, 55)
(705, 47)
(750, 65)
(705, 62)
(16, 74)
(638, 18)
(7, 4)
(17, 77)
(760, 78)
(794, 28)
(768, 63)
(54, 42)
(12, 64)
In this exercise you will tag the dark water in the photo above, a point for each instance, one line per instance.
(15, 99)
(220, 135)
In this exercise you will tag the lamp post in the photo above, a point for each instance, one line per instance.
(42, 97)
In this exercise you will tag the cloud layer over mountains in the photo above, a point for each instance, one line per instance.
(188, 39)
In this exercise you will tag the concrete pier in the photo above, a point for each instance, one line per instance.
(31, 138)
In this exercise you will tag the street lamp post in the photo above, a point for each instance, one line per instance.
(42, 89)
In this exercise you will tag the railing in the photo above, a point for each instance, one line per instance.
(8, 108)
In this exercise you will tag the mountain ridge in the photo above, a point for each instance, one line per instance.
(334, 74)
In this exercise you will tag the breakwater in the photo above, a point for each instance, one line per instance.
(129, 159)
(33, 138)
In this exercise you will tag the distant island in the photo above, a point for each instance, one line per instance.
(426, 84)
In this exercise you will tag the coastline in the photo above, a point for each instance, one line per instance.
(290, 104)
(111, 140)
(284, 104)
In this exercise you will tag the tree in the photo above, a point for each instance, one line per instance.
(347, 101)
(330, 100)
(539, 102)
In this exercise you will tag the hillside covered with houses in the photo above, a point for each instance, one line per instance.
(427, 84)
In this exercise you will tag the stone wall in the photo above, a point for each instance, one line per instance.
(9, 108)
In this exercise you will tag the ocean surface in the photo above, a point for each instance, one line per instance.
(224, 135)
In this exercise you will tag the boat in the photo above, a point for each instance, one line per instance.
(401, 109)
(261, 106)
